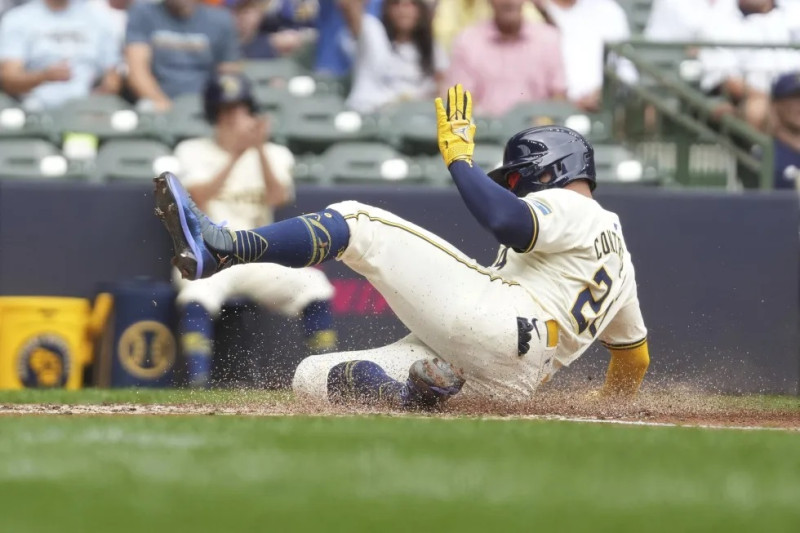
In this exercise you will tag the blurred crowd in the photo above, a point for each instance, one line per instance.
(504, 51)
(52, 51)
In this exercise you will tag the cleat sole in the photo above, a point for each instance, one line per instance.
(438, 377)
(184, 259)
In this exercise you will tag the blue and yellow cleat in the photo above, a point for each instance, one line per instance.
(431, 382)
(201, 247)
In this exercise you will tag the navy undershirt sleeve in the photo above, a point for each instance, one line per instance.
(498, 210)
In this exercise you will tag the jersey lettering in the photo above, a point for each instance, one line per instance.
(608, 242)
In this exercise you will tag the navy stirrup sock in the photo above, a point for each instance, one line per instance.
(318, 326)
(296, 242)
(364, 381)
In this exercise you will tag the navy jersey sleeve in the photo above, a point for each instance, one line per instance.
(510, 219)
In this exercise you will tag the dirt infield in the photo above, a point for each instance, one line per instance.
(677, 407)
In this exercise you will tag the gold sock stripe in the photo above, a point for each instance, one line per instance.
(324, 245)
(624, 346)
(263, 245)
(492, 277)
(314, 243)
(320, 247)
(253, 251)
(236, 256)
(348, 373)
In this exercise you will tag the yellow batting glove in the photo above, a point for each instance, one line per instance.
(456, 131)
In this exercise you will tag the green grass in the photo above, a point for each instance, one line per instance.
(276, 474)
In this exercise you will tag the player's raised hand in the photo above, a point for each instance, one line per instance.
(456, 130)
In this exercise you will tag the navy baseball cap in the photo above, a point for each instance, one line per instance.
(786, 85)
(224, 89)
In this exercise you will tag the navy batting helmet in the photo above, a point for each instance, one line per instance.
(558, 151)
(225, 89)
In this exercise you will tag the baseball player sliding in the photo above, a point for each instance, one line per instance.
(563, 276)
(239, 176)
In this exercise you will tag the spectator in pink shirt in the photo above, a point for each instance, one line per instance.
(508, 60)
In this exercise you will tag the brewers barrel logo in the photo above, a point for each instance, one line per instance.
(44, 361)
(147, 349)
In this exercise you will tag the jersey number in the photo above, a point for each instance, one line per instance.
(585, 298)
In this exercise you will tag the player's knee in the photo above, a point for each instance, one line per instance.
(358, 217)
(351, 208)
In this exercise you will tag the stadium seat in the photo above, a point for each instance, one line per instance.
(310, 125)
(185, 120)
(366, 162)
(133, 159)
(486, 156)
(271, 72)
(32, 158)
(307, 169)
(434, 170)
(271, 99)
(104, 116)
(326, 84)
(409, 126)
(615, 164)
(529, 114)
(17, 123)
(7, 101)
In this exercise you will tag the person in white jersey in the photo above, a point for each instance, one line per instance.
(563, 278)
(239, 176)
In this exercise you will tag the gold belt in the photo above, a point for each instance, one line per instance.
(552, 333)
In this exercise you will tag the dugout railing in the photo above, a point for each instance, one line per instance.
(667, 117)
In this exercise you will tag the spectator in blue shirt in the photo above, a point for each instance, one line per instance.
(274, 28)
(253, 43)
(52, 51)
(173, 47)
(786, 130)
(336, 47)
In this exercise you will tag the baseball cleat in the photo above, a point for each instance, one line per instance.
(201, 247)
(432, 381)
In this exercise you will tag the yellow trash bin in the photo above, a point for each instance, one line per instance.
(45, 342)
